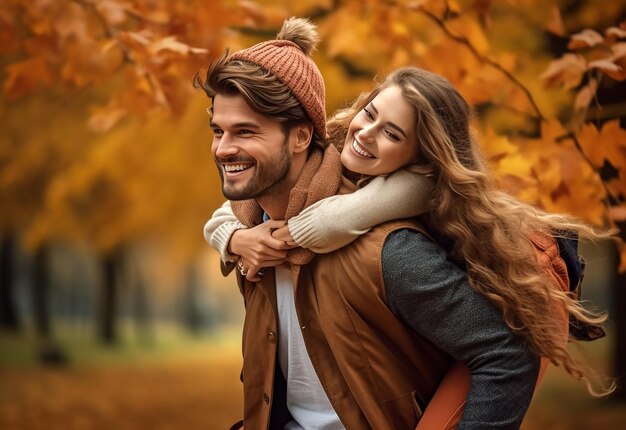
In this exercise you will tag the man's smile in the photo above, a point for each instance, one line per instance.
(236, 167)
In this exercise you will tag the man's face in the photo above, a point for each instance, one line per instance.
(251, 150)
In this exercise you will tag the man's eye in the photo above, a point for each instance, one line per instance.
(217, 132)
(245, 132)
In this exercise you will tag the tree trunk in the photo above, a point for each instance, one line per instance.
(619, 316)
(9, 319)
(107, 332)
(141, 310)
(41, 293)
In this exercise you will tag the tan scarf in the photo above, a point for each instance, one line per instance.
(320, 178)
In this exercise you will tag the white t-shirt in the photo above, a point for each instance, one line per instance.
(306, 400)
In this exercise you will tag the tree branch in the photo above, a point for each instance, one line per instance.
(482, 58)
(610, 196)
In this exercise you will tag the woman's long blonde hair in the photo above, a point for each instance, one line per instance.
(489, 229)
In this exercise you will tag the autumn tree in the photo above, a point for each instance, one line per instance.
(101, 80)
(546, 78)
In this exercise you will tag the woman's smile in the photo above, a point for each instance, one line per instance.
(360, 150)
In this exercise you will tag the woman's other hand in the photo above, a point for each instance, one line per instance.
(284, 235)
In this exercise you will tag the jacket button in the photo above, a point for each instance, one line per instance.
(266, 398)
(271, 336)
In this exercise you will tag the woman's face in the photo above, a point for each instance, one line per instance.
(382, 137)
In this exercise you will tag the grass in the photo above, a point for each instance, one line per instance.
(181, 382)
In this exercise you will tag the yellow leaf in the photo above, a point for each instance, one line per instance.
(609, 143)
(104, 118)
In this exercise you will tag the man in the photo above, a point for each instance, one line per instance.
(328, 342)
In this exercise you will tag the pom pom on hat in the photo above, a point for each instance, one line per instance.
(288, 58)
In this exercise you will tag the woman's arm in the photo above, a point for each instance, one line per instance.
(431, 295)
(446, 407)
(336, 221)
(254, 247)
(220, 228)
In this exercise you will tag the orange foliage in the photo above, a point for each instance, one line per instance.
(135, 60)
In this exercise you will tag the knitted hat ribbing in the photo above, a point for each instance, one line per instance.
(294, 68)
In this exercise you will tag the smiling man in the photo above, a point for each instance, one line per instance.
(361, 337)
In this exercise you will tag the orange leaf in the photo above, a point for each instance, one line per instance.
(566, 71)
(618, 213)
(609, 143)
(555, 24)
(615, 33)
(25, 76)
(618, 50)
(171, 44)
(114, 13)
(584, 39)
(609, 68)
(586, 94)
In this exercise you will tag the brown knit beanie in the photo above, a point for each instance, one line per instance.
(288, 58)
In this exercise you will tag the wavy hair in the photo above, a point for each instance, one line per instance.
(489, 230)
(262, 90)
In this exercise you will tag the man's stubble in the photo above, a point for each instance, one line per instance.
(268, 176)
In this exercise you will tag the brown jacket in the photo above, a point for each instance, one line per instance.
(376, 372)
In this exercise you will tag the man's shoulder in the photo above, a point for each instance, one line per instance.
(405, 233)
(410, 227)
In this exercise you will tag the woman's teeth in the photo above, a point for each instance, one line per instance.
(358, 148)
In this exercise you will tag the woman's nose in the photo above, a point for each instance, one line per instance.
(366, 134)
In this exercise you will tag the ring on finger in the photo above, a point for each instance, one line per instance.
(242, 268)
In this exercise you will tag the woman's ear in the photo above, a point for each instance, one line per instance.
(303, 135)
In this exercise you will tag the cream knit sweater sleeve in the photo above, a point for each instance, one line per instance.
(219, 229)
(336, 221)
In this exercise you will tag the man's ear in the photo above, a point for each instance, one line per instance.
(302, 135)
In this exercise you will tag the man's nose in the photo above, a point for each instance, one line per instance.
(225, 147)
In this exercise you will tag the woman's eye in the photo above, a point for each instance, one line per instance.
(391, 135)
(367, 113)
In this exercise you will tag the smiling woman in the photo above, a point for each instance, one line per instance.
(382, 137)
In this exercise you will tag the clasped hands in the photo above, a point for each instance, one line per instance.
(265, 245)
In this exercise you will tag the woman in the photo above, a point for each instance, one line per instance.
(503, 244)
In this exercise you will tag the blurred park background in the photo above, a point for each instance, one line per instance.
(113, 313)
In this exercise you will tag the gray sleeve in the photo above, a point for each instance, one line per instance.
(431, 294)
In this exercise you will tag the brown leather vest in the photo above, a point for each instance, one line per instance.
(377, 372)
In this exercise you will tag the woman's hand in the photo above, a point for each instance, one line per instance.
(257, 248)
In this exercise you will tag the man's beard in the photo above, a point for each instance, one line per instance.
(266, 177)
